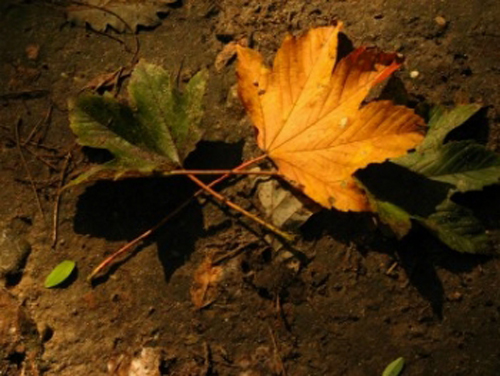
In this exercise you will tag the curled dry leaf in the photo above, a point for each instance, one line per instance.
(282, 207)
(100, 14)
(205, 280)
(309, 115)
(228, 53)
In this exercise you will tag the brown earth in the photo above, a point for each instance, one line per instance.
(347, 311)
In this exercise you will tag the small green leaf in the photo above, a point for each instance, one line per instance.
(398, 195)
(396, 218)
(389, 213)
(60, 273)
(458, 228)
(465, 164)
(155, 132)
(443, 121)
(394, 368)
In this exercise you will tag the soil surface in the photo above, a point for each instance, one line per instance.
(355, 300)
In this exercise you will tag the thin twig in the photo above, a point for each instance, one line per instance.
(391, 269)
(208, 358)
(41, 159)
(219, 172)
(127, 247)
(27, 94)
(41, 183)
(239, 209)
(55, 217)
(230, 255)
(276, 351)
(25, 165)
(35, 128)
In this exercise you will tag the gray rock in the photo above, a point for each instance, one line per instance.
(14, 251)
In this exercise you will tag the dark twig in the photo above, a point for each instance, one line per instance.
(55, 217)
(45, 120)
(208, 359)
(231, 254)
(130, 245)
(18, 144)
(276, 351)
(41, 159)
(28, 94)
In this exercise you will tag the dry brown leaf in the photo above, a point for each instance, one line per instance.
(205, 279)
(107, 80)
(133, 12)
(310, 119)
(226, 55)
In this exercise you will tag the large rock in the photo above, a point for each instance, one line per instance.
(14, 252)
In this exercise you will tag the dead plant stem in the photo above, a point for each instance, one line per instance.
(239, 209)
(127, 247)
(55, 216)
(219, 172)
(45, 120)
(25, 165)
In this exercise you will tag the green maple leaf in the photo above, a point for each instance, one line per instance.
(422, 191)
(466, 165)
(153, 133)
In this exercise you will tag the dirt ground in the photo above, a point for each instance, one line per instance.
(348, 310)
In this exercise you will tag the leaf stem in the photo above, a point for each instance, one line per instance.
(127, 247)
(238, 208)
(219, 172)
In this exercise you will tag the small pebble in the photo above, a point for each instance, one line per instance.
(414, 74)
(32, 51)
(441, 21)
(455, 296)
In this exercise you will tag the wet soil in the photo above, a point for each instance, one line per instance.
(359, 299)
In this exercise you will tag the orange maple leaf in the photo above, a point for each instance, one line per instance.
(310, 119)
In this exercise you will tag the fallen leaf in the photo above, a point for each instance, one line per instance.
(60, 273)
(205, 279)
(467, 165)
(106, 80)
(442, 121)
(282, 207)
(419, 186)
(310, 119)
(154, 133)
(225, 56)
(458, 228)
(394, 368)
(227, 53)
(100, 14)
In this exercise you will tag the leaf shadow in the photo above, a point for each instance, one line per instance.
(420, 254)
(122, 210)
(345, 47)
(474, 128)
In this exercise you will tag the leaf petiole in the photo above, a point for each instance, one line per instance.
(127, 247)
(219, 172)
(239, 209)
